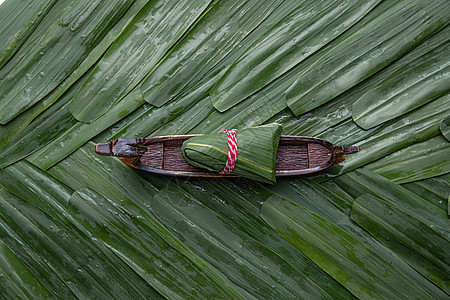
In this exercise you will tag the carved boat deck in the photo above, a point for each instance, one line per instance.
(162, 155)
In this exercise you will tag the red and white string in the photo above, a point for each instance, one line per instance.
(232, 151)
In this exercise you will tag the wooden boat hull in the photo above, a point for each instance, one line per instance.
(162, 155)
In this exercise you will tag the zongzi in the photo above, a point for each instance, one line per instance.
(256, 152)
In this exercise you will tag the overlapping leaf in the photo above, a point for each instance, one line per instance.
(410, 238)
(434, 190)
(41, 130)
(339, 110)
(302, 32)
(360, 270)
(65, 258)
(414, 127)
(445, 127)
(18, 19)
(50, 196)
(77, 135)
(151, 119)
(422, 160)
(210, 235)
(439, 186)
(315, 197)
(213, 72)
(35, 262)
(239, 203)
(388, 32)
(363, 181)
(64, 38)
(415, 84)
(17, 281)
(215, 35)
(141, 45)
(14, 127)
(163, 261)
(120, 233)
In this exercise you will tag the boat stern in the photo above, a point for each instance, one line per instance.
(121, 148)
(104, 148)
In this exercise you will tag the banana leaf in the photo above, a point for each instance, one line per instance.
(419, 161)
(445, 127)
(315, 197)
(363, 272)
(214, 35)
(302, 32)
(35, 261)
(428, 193)
(239, 203)
(258, 109)
(413, 127)
(149, 249)
(347, 132)
(65, 37)
(152, 118)
(15, 126)
(437, 185)
(97, 260)
(197, 87)
(334, 112)
(18, 124)
(18, 19)
(41, 130)
(217, 69)
(414, 85)
(272, 94)
(364, 181)
(60, 249)
(390, 34)
(196, 115)
(80, 133)
(155, 29)
(414, 241)
(256, 152)
(17, 282)
(212, 236)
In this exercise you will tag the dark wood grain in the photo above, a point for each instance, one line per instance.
(173, 158)
(318, 155)
(292, 157)
(153, 157)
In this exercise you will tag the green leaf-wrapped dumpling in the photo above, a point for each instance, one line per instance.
(256, 152)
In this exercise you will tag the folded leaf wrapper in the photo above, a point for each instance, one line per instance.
(256, 152)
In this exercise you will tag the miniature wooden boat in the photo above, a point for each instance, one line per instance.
(162, 155)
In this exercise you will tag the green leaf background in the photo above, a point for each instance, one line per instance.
(74, 225)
